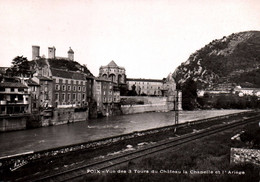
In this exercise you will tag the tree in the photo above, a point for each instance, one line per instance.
(132, 92)
(189, 95)
(20, 66)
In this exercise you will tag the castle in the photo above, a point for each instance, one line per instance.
(51, 53)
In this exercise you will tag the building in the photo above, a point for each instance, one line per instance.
(14, 97)
(34, 93)
(71, 88)
(113, 72)
(107, 96)
(51, 53)
(247, 91)
(146, 86)
(63, 83)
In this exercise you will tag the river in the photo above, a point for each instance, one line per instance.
(54, 136)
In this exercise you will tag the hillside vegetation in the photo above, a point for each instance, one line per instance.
(232, 59)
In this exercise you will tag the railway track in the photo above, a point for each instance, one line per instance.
(107, 163)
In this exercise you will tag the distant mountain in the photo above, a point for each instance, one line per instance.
(234, 59)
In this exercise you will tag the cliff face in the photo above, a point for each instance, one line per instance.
(233, 59)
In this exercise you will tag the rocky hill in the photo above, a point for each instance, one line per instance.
(234, 59)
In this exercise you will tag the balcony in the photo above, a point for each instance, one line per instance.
(4, 102)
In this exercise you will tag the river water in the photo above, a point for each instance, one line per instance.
(55, 136)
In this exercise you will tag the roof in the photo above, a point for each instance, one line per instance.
(71, 51)
(32, 83)
(44, 78)
(12, 85)
(112, 64)
(143, 80)
(101, 79)
(68, 74)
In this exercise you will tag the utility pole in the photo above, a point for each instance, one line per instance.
(176, 105)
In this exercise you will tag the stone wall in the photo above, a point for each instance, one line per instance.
(63, 116)
(146, 99)
(240, 155)
(128, 109)
(151, 104)
(15, 122)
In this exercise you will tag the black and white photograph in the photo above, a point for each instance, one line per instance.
(130, 90)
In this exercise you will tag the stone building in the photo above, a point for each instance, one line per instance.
(62, 83)
(14, 98)
(113, 72)
(71, 88)
(51, 53)
(107, 96)
(146, 86)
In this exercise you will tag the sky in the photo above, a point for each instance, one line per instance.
(149, 38)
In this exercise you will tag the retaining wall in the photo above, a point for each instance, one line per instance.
(64, 116)
(132, 109)
(151, 104)
(147, 99)
(13, 122)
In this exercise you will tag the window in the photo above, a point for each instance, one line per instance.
(83, 88)
(57, 87)
(74, 96)
(63, 87)
(63, 97)
(74, 88)
(69, 87)
(79, 88)
(60, 80)
(12, 89)
(68, 97)
(83, 96)
(56, 96)
(79, 96)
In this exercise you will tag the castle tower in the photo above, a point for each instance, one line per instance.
(35, 52)
(51, 52)
(71, 54)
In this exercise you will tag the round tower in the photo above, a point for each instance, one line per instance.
(71, 54)
(35, 52)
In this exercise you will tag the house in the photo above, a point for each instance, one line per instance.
(107, 96)
(14, 97)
